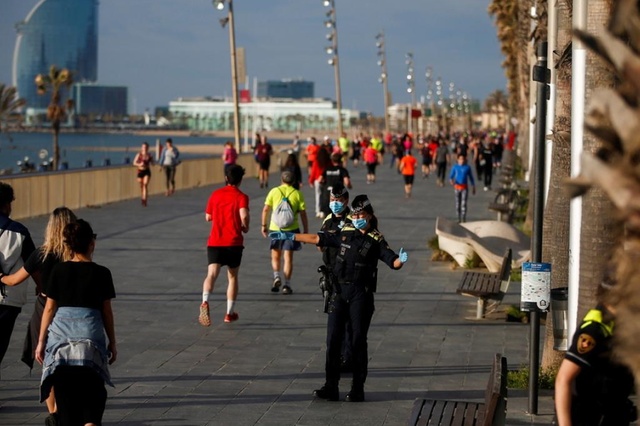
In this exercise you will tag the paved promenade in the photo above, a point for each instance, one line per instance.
(262, 369)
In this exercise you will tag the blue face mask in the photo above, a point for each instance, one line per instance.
(359, 223)
(336, 206)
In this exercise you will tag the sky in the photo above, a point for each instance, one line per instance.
(165, 49)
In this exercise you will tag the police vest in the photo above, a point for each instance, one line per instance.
(354, 262)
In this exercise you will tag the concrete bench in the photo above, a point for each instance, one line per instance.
(487, 238)
(491, 412)
(487, 286)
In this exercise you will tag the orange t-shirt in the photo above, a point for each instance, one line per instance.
(408, 165)
(312, 152)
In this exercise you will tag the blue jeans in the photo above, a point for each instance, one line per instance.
(461, 204)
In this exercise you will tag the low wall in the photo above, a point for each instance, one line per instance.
(40, 193)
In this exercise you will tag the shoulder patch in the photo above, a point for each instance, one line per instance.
(376, 235)
(586, 343)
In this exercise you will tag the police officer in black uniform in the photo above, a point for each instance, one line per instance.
(333, 224)
(591, 388)
(360, 247)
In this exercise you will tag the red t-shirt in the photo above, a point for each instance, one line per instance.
(312, 152)
(224, 207)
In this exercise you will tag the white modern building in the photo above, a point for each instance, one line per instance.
(273, 114)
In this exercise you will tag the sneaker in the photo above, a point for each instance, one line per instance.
(356, 395)
(204, 317)
(286, 290)
(231, 317)
(276, 285)
(329, 393)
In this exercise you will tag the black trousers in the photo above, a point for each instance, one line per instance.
(8, 315)
(80, 395)
(353, 304)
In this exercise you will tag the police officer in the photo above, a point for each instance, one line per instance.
(360, 247)
(591, 389)
(333, 224)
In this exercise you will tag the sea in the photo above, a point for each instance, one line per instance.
(81, 150)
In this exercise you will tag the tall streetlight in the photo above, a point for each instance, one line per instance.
(331, 24)
(219, 4)
(411, 88)
(430, 100)
(440, 101)
(382, 62)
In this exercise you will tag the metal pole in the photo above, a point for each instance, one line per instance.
(541, 77)
(336, 69)
(234, 78)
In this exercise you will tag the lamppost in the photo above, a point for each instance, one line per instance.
(331, 24)
(440, 102)
(430, 104)
(411, 87)
(219, 4)
(382, 62)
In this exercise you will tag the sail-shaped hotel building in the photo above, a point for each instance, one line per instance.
(55, 32)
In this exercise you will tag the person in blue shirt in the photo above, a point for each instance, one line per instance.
(460, 177)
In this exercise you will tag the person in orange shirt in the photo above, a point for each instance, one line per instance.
(407, 167)
(312, 152)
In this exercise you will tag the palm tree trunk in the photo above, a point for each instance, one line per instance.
(599, 229)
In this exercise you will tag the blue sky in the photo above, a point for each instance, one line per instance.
(164, 49)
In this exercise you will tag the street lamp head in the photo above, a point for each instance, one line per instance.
(331, 61)
(329, 23)
(219, 4)
(224, 21)
(329, 50)
(379, 44)
(326, 3)
(330, 36)
(380, 63)
(380, 80)
(409, 89)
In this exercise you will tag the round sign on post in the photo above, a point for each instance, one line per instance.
(536, 287)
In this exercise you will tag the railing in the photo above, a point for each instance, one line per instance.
(40, 193)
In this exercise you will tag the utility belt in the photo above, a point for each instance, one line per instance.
(364, 275)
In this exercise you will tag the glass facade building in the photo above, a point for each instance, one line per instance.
(288, 89)
(97, 99)
(56, 32)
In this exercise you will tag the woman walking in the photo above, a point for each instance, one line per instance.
(39, 266)
(76, 318)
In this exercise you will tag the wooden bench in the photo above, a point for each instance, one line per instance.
(491, 412)
(487, 286)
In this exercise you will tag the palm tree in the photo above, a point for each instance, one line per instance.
(9, 104)
(497, 103)
(57, 110)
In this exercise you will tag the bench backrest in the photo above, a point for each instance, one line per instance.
(495, 396)
(505, 271)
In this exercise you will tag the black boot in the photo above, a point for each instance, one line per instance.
(356, 394)
(328, 392)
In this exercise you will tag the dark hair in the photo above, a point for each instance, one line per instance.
(78, 236)
(6, 194)
(323, 158)
(292, 161)
(234, 174)
(169, 140)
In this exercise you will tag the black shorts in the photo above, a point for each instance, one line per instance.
(225, 256)
(143, 173)
(265, 164)
(371, 168)
(408, 179)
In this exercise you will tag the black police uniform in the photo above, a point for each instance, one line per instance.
(356, 272)
(600, 393)
(333, 224)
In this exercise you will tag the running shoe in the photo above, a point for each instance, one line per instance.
(276, 285)
(286, 290)
(204, 317)
(231, 317)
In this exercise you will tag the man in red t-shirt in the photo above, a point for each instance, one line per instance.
(228, 212)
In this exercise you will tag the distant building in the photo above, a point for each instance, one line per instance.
(55, 32)
(286, 89)
(211, 114)
(97, 99)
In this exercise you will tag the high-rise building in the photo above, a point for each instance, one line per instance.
(63, 33)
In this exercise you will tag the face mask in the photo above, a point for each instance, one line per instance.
(359, 223)
(336, 206)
